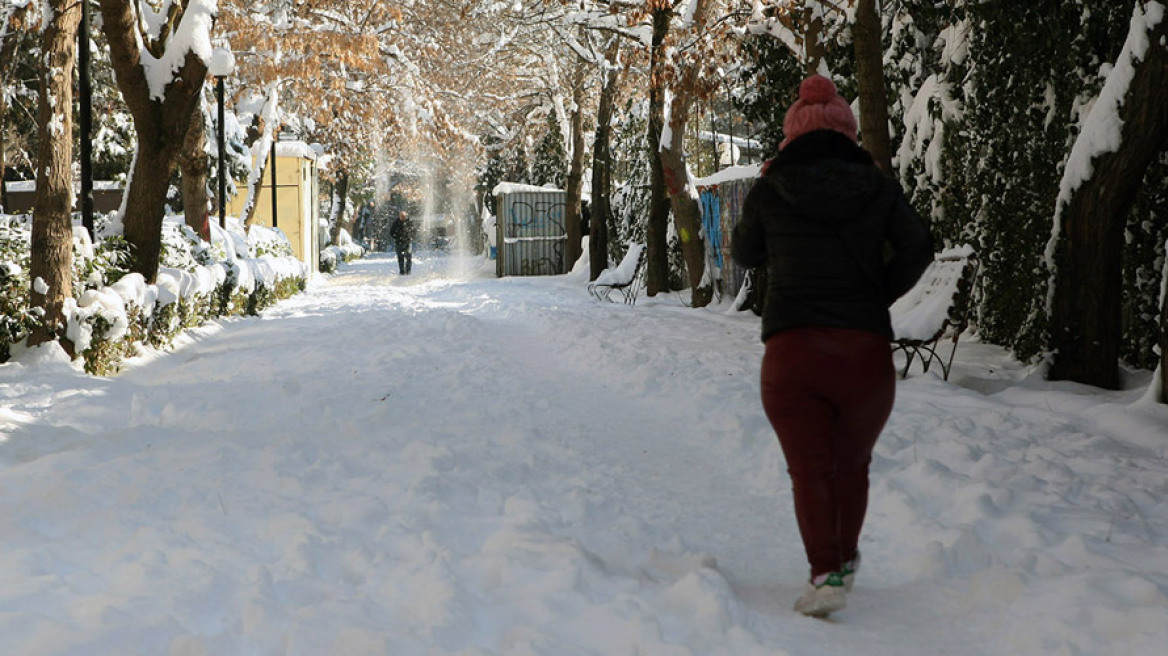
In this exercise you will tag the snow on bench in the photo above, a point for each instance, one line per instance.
(938, 305)
(625, 278)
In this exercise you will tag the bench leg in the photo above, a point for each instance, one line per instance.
(634, 289)
(630, 295)
(908, 358)
(947, 365)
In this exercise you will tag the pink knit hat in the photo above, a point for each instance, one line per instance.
(819, 107)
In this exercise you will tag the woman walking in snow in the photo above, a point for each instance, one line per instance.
(840, 244)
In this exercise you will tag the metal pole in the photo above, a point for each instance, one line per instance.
(730, 116)
(222, 169)
(275, 137)
(714, 132)
(85, 120)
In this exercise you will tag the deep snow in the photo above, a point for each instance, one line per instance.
(458, 464)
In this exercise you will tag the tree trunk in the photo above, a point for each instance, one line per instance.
(146, 206)
(263, 133)
(687, 214)
(575, 182)
(1086, 308)
(341, 194)
(51, 262)
(870, 80)
(161, 127)
(656, 232)
(602, 165)
(195, 169)
(260, 170)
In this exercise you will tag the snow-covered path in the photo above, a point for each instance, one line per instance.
(463, 465)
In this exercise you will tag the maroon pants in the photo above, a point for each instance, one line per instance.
(827, 393)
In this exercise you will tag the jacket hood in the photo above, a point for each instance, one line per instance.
(825, 175)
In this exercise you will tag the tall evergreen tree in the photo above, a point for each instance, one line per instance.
(631, 173)
(518, 169)
(549, 164)
(492, 172)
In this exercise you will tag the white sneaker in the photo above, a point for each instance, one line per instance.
(824, 596)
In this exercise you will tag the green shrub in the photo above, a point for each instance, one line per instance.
(261, 297)
(16, 320)
(104, 356)
(166, 324)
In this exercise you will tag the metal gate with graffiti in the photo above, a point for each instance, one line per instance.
(721, 210)
(532, 237)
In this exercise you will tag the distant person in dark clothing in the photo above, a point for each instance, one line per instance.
(402, 232)
(840, 243)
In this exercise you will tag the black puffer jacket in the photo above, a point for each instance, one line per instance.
(402, 233)
(838, 238)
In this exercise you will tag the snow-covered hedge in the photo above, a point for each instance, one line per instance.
(346, 250)
(114, 312)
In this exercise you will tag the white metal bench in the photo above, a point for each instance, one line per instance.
(937, 307)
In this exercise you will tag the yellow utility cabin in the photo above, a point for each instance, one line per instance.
(297, 185)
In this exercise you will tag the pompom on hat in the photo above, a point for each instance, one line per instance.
(819, 107)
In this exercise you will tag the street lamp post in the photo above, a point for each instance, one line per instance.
(85, 119)
(222, 65)
(221, 141)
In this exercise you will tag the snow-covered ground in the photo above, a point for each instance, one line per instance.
(455, 464)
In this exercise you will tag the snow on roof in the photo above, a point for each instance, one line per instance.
(725, 137)
(21, 186)
(749, 171)
(516, 187)
(295, 149)
(29, 186)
